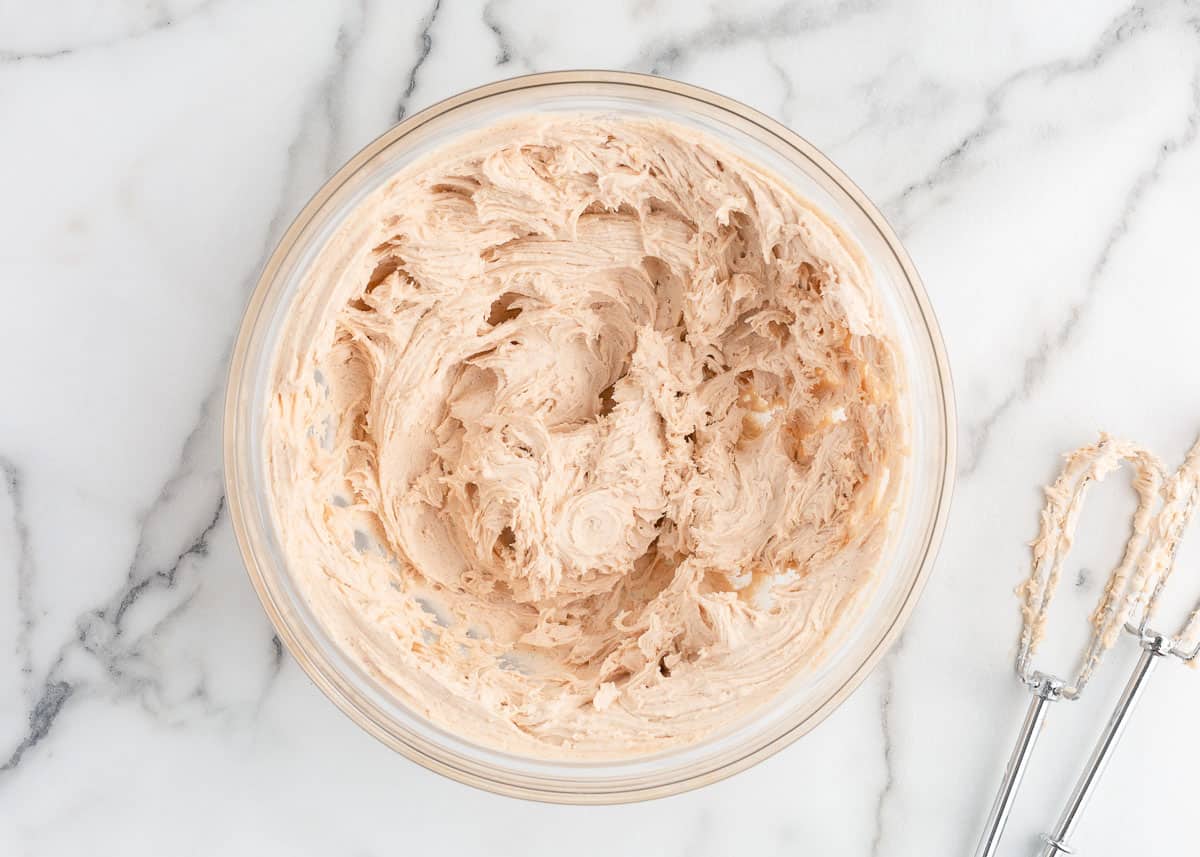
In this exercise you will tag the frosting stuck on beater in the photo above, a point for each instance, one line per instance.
(584, 436)
(1166, 504)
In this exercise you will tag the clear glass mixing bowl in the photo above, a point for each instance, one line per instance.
(855, 648)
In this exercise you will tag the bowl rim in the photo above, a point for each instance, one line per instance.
(233, 459)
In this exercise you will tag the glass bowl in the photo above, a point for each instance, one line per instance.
(854, 649)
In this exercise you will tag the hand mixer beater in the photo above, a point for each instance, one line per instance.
(1128, 602)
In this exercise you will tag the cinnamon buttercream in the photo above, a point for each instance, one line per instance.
(1166, 504)
(584, 436)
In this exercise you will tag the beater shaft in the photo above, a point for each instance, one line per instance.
(1045, 691)
(1154, 647)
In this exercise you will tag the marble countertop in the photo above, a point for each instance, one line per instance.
(1041, 163)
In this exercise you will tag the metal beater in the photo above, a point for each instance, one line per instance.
(1064, 500)
(1158, 561)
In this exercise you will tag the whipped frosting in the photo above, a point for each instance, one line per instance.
(1058, 520)
(1166, 504)
(584, 436)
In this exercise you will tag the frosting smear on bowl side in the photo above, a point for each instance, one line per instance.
(584, 436)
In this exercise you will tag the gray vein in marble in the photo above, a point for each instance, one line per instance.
(324, 104)
(661, 56)
(199, 462)
(785, 80)
(952, 165)
(159, 21)
(865, 93)
(888, 671)
(1056, 340)
(176, 610)
(504, 47)
(165, 577)
(426, 48)
(349, 35)
(99, 631)
(41, 718)
(274, 668)
(276, 652)
(25, 571)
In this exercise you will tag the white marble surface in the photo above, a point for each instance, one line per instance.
(1040, 160)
